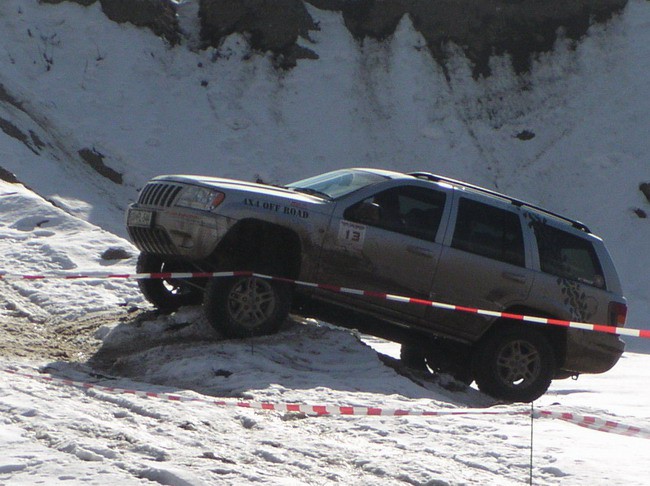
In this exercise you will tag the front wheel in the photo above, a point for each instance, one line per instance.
(438, 357)
(514, 364)
(413, 356)
(248, 306)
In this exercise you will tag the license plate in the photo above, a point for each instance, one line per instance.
(138, 217)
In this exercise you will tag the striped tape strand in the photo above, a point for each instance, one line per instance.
(590, 422)
(585, 326)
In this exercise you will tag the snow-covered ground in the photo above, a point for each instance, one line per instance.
(52, 433)
(70, 80)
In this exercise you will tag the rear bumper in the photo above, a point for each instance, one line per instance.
(591, 352)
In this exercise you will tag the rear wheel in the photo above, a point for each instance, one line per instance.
(167, 294)
(516, 364)
(247, 306)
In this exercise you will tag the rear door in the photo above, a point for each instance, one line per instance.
(389, 241)
(483, 264)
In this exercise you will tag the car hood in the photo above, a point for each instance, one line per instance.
(231, 185)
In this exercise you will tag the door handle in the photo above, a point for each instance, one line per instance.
(418, 250)
(515, 277)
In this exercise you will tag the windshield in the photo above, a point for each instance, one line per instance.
(335, 184)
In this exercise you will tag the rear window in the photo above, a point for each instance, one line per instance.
(569, 256)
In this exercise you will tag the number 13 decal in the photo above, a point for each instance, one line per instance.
(352, 235)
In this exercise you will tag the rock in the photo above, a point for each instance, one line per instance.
(525, 135)
(270, 26)
(644, 187)
(95, 160)
(13, 131)
(520, 28)
(7, 176)
(116, 254)
(157, 15)
(85, 3)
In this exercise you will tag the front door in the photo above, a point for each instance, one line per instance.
(386, 243)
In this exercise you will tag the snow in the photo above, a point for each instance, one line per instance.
(97, 437)
(78, 81)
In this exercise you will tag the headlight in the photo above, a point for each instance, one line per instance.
(200, 198)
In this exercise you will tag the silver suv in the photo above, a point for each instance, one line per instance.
(417, 235)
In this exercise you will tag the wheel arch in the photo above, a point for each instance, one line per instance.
(257, 245)
(556, 335)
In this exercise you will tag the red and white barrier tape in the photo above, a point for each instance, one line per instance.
(589, 422)
(269, 406)
(595, 423)
(642, 333)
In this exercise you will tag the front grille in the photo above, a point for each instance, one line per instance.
(159, 194)
(151, 240)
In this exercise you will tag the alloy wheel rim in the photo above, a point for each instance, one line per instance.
(518, 363)
(251, 302)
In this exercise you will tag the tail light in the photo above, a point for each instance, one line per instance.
(617, 314)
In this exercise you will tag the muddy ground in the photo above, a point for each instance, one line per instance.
(55, 339)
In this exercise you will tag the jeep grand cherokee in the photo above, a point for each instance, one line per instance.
(418, 235)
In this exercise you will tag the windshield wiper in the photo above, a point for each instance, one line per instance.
(312, 192)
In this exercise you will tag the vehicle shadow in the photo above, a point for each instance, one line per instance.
(180, 351)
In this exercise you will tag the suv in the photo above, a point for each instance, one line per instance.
(417, 235)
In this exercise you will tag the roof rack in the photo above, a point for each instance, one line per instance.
(516, 202)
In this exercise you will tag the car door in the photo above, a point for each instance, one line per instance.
(482, 265)
(390, 242)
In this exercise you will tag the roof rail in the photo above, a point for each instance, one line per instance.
(516, 202)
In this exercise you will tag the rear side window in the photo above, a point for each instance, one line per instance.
(567, 255)
(489, 231)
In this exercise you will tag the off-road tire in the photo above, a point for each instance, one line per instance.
(412, 356)
(167, 294)
(435, 358)
(515, 364)
(246, 306)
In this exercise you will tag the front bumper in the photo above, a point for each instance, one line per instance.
(180, 232)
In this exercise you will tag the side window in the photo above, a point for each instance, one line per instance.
(567, 255)
(415, 211)
(490, 232)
